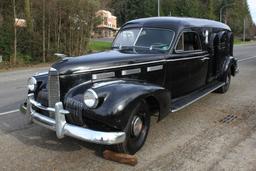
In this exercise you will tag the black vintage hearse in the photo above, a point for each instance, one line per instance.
(156, 65)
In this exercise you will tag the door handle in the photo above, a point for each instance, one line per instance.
(204, 59)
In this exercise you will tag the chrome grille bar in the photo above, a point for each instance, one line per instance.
(53, 89)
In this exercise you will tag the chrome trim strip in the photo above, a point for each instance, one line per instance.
(52, 69)
(102, 84)
(138, 64)
(131, 71)
(188, 58)
(63, 128)
(182, 107)
(138, 36)
(103, 75)
(154, 68)
(205, 58)
(40, 73)
(119, 66)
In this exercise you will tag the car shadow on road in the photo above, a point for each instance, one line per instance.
(17, 126)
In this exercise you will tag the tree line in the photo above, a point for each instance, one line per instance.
(65, 26)
(234, 14)
(62, 26)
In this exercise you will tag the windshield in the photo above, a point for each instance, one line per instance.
(149, 38)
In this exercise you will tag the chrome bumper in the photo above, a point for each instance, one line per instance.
(62, 128)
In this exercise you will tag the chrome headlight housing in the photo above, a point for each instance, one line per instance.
(91, 99)
(32, 84)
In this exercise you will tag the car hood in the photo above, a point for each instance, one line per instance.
(103, 60)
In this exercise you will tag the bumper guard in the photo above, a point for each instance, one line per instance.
(62, 128)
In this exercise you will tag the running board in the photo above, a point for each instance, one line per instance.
(184, 101)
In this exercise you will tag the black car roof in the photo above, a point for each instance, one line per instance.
(175, 23)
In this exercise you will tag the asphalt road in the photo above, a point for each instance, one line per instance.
(196, 138)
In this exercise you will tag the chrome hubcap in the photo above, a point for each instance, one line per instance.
(137, 125)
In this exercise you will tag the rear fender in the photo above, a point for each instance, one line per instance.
(230, 63)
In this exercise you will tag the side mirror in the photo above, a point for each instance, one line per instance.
(60, 55)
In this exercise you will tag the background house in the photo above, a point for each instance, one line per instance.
(20, 23)
(107, 26)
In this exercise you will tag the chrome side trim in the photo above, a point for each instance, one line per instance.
(102, 84)
(40, 73)
(139, 64)
(119, 66)
(63, 128)
(154, 68)
(103, 75)
(131, 71)
(52, 69)
(137, 36)
(182, 107)
(205, 58)
(188, 58)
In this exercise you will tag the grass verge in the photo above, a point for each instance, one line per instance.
(240, 42)
(96, 46)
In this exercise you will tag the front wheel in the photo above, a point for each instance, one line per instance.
(227, 80)
(136, 130)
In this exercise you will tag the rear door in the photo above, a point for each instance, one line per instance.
(187, 67)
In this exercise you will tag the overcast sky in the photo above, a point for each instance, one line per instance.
(252, 4)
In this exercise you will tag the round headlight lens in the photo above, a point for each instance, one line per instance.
(32, 83)
(91, 98)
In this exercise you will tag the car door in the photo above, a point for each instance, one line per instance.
(187, 66)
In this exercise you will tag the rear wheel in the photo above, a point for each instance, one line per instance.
(136, 130)
(227, 80)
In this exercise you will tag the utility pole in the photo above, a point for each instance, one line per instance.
(222, 8)
(43, 31)
(244, 29)
(15, 34)
(158, 8)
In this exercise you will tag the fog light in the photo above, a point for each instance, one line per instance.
(32, 84)
(91, 98)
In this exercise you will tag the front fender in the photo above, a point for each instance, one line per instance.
(117, 99)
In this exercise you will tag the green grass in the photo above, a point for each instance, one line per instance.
(240, 42)
(99, 46)
(237, 42)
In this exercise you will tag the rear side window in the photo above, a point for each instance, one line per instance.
(189, 41)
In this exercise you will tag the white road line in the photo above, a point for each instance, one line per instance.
(12, 111)
(247, 59)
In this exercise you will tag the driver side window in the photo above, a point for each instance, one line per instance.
(189, 41)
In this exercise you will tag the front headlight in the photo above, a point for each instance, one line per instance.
(32, 83)
(91, 98)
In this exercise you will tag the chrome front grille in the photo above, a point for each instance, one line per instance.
(53, 88)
